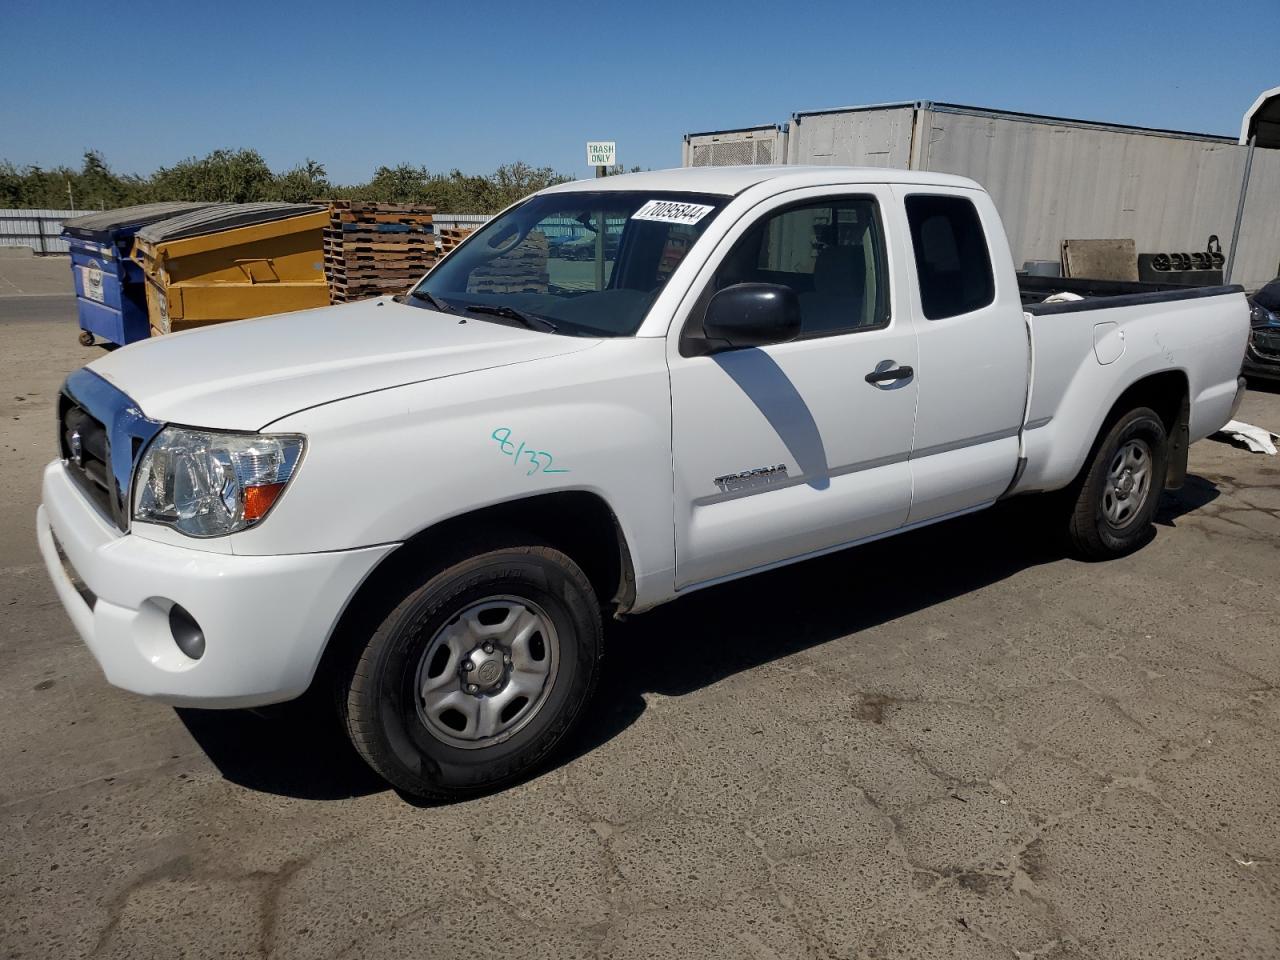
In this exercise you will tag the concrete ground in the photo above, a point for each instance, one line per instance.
(22, 274)
(954, 744)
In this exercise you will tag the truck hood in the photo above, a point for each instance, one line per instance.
(247, 374)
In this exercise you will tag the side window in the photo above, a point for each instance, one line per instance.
(830, 252)
(952, 262)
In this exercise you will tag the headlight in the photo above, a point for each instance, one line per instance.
(1260, 316)
(209, 484)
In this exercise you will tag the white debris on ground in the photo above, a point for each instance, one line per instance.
(1257, 439)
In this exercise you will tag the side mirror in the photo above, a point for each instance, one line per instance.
(751, 315)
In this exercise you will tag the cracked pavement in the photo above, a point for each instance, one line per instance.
(956, 743)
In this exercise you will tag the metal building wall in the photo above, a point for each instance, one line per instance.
(38, 229)
(468, 221)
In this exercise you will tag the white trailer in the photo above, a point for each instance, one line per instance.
(1056, 179)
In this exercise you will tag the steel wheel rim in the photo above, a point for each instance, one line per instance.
(1128, 483)
(487, 672)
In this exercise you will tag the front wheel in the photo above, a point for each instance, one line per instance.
(1117, 499)
(476, 675)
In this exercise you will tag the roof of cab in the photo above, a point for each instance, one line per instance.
(730, 181)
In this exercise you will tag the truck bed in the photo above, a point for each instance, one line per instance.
(1084, 353)
(1106, 293)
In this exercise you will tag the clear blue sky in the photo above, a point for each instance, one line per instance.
(472, 84)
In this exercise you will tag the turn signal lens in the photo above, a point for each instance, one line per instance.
(258, 500)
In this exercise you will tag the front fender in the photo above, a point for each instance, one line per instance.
(382, 467)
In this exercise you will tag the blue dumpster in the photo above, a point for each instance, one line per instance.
(110, 293)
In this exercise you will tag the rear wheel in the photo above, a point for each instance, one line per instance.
(1115, 502)
(477, 674)
(86, 338)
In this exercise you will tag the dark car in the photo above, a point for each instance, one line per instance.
(584, 247)
(1262, 355)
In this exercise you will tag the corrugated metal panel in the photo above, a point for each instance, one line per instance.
(730, 148)
(859, 138)
(465, 220)
(107, 220)
(222, 216)
(38, 229)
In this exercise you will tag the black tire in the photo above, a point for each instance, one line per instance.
(1094, 530)
(381, 704)
(86, 338)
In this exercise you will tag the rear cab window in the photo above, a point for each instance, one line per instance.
(953, 265)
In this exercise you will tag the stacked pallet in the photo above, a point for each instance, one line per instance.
(371, 249)
(450, 237)
(522, 270)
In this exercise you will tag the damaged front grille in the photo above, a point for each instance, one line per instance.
(101, 435)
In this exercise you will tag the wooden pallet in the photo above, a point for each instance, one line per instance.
(371, 208)
(450, 237)
(522, 270)
(380, 276)
(379, 249)
(374, 248)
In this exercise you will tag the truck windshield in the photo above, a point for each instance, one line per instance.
(580, 263)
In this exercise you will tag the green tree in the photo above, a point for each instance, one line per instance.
(302, 184)
(98, 187)
(233, 176)
(243, 175)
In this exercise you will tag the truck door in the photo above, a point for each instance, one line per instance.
(796, 448)
(973, 361)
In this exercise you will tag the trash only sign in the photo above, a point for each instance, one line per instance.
(601, 153)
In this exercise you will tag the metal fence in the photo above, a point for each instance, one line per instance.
(41, 230)
(468, 221)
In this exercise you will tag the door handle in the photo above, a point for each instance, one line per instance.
(878, 376)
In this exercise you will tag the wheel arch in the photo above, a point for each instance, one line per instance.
(579, 523)
(1168, 393)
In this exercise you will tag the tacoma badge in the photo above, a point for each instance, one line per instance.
(759, 477)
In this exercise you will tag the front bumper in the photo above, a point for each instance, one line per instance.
(265, 619)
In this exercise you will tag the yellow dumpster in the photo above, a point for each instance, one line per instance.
(232, 261)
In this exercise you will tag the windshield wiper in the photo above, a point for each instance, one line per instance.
(530, 320)
(435, 301)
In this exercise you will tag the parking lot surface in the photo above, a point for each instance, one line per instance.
(23, 274)
(956, 743)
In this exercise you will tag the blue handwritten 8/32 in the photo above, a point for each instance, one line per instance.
(538, 460)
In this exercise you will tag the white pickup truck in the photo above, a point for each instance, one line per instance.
(425, 503)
